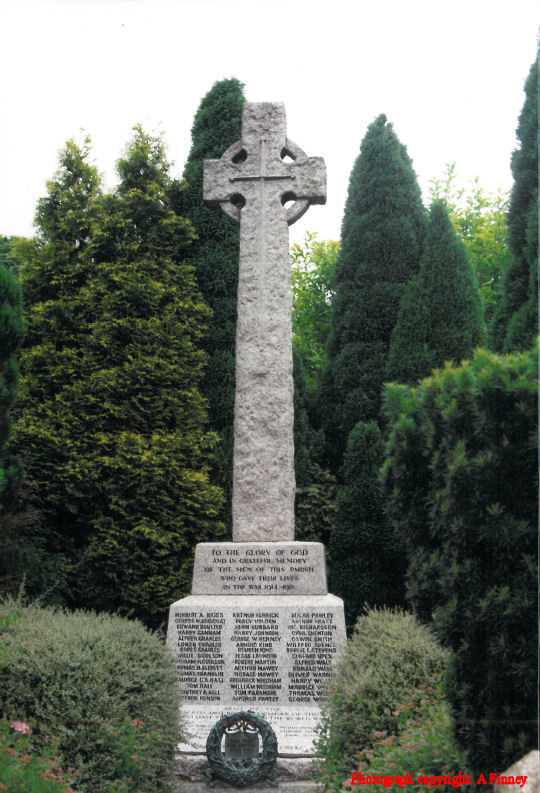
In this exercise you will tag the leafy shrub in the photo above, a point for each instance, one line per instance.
(424, 744)
(101, 690)
(20, 771)
(391, 667)
(461, 487)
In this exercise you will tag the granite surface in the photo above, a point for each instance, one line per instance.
(528, 766)
(284, 787)
(270, 654)
(263, 171)
(259, 568)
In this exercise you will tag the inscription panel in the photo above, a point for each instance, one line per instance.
(294, 727)
(259, 568)
(251, 654)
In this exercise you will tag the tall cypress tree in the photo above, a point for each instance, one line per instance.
(514, 326)
(112, 427)
(440, 315)
(382, 237)
(11, 336)
(214, 255)
(367, 563)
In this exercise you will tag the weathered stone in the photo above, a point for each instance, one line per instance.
(263, 171)
(259, 568)
(528, 766)
(269, 654)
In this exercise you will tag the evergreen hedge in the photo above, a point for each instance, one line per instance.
(11, 336)
(98, 692)
(112, 426)
(461, 486)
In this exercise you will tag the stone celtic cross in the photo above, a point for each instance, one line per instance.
(265, 182)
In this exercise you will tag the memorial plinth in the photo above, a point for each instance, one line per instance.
(260, 650)
(260, 632)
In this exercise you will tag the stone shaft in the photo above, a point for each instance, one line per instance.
(260, 174)
(263, 468)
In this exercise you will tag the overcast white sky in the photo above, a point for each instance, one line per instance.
(449, 76)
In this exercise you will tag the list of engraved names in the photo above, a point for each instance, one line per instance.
(255, 656)
(200, 661)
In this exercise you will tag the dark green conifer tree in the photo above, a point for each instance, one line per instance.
(214, 255)
(303, 431)
(11, 336)
(461, 490)
(6, 258)
(315, 487)
(367, 563)
(112, 426)
(382, 237)
(440, 315)
(514, 326)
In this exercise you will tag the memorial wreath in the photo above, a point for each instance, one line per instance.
(241, 772)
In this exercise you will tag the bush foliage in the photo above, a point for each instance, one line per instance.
(461, 488)
(424, 744)
(313, 267)
(97, 691)
(392, 666)
(21, 770)
(11, 336)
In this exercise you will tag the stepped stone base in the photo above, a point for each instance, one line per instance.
(191, 768)
(282, 787)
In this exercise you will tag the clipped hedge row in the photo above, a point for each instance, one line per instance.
(461, 487)
(98, 692)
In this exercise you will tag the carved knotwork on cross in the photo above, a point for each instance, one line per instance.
(265, 182)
